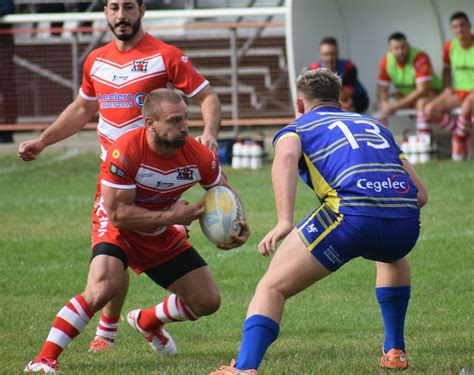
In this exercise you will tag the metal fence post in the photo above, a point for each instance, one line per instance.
(234, 79)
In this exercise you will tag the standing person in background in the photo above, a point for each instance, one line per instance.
(458, 79)
(370, 207)
(411, 73)
(353, 94)
(146, 172)
(117, 77)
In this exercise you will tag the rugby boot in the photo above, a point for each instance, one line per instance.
(45, 365)
(99, 344)
(229, 370)
(160, 340)
(395, 359)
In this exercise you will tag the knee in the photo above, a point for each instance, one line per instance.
(206, 305)
(421, 104)
(269, 288)
(428, 109)
(99, 294)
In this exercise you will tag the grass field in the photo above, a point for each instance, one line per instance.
(332, 328)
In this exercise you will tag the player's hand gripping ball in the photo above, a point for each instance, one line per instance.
(222, 215)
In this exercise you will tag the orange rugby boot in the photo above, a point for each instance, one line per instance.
(395, 359)
(99, 344)
(230, 370)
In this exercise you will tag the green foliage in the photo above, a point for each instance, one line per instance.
(332, 328)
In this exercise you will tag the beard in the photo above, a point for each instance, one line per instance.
(177, 143)
(125, 37)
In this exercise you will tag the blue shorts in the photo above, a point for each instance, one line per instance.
(335, 239)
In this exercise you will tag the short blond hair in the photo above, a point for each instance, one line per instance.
(152, 104)
(319, 84)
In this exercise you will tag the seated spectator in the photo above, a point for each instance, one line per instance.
(409, 70)
(458, 79)
(354, 97)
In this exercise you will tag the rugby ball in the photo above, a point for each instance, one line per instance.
(222, 215)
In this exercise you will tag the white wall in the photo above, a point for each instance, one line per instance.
(362, 28)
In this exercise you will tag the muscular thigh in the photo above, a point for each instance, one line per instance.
(445, 102)
(196, 286)
(293, 268)
(467, 106)
(106, 272)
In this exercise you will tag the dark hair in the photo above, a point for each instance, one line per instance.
(328, 40)
(321, 85)
(459, 15)
(398, 36)
(139, 2)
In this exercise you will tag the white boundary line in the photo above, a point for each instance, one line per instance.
(65, 156)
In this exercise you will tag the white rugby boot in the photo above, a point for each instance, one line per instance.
(160, 340)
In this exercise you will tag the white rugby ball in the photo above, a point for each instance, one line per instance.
(222, 215)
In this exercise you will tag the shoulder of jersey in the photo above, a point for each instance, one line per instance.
(132, 134)
(99, 51)
(348, 63)
(158, 43)
(193, 144)
(314, 65)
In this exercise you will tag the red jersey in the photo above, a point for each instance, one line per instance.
(159, 180)
(120, 81)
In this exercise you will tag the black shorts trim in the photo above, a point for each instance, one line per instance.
(105, 248)
(167, 273)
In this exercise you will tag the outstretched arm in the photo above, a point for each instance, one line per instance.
(70, 121)
(288, 152)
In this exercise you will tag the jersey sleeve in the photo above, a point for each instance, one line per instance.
(209, 168)
(423, 69)
(287, 131)
(383, 78)
(119, 170)
(446, 58)
(393, 144)
(87, 90)
(182, 73)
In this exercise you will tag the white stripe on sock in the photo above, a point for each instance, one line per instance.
(108, 325)
(107, 334)
(79, 309)
(72, 318)
(58, 337)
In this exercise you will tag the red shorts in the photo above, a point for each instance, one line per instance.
(144, 251)
(462, 94)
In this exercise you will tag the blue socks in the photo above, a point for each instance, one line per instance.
(259, 331)
(258, 334)
(393, 303)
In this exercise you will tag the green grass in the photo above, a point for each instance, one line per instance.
(332, 328)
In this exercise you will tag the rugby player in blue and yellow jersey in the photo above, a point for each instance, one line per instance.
(370, 199)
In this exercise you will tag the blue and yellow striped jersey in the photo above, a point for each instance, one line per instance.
(353, 164)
